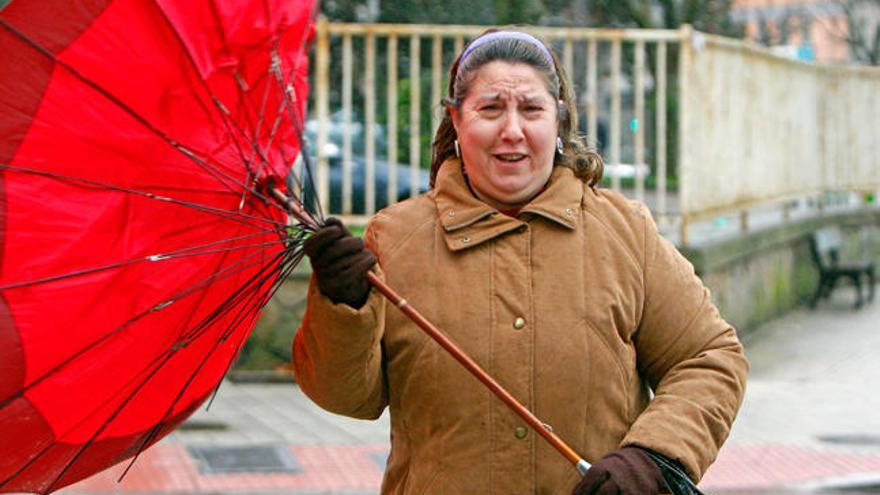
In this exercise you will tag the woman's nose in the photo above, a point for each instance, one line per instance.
(512, 128)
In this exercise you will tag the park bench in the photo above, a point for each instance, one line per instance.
(825, 247)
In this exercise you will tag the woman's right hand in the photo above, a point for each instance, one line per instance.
(627, 471)
(340, 262)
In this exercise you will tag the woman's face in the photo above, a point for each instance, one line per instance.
(507, 127)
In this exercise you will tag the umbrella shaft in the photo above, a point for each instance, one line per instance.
(295, 208)
(536, 424)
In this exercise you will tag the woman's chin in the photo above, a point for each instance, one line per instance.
(514, 195)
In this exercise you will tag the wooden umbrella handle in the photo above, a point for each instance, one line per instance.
(536, 424)
(302, 215)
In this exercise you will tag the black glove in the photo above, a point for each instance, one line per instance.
(340, 262)
(628, 471)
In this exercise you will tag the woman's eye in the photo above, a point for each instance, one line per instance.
(491, 110)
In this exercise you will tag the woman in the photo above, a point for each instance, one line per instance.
(565, 293)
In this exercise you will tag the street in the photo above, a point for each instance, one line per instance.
(809, 424)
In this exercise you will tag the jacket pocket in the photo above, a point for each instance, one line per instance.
(621, 354)
(609, 408)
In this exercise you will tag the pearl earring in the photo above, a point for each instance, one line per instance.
(559, 146)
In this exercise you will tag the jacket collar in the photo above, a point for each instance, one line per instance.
(467, 221)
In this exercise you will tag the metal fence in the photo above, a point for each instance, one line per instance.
(710, 125)
(383, 84)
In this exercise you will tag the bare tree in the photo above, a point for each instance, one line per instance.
(711, 16)
(860, 29)
(863, 21)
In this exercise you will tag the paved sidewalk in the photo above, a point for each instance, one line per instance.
(810, 419)
(810, 423)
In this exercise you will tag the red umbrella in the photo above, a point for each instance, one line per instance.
(142, 228)
(137, 138)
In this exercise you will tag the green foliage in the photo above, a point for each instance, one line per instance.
(862, 32)
(433, 12)
(518, 11)
(268, 347)
(650, 182)
(425, 131)
(711, 16)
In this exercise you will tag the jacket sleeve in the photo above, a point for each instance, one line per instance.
(337, 354)
(691, 358)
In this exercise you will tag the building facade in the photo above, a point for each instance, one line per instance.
(806, 30)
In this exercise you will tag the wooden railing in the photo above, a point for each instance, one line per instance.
(748, 127)
(608, 67)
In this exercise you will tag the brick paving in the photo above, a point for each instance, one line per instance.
(809, 423)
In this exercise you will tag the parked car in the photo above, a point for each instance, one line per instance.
(626, 170)
(358, 167)
(382, 177)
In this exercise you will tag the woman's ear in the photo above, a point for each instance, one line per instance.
(453, 116)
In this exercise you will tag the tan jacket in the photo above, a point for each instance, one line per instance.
(577, 307)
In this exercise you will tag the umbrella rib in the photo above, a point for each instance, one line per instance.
(187, 151)
(224, 112)
(147, 439)
(279, 115)
(181, 294)
(155, 258)
(261, 298)
(256, 149)
(290, 264)
(275, 126)
(272, 135)
(232, 215)
(293, 112)
(292, 260)
(284, 103)
(253, 141)
(196, 332)
(192, 313)
(242, 304)
(235, 126)
(221, 308)
(91, 440)
(216, 313)
(297, 123)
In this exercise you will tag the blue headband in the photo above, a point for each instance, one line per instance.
(502, 35)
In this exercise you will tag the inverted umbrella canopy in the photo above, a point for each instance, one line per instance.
(137, 245)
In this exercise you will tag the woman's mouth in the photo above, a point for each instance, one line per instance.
(510, 157)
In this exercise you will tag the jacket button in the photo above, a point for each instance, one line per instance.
(451, 213)
(519, 323)
(520, 432)
(466, 239)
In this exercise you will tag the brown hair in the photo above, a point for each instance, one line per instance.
(586, 162)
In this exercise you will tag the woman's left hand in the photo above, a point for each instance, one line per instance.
(627, 471)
